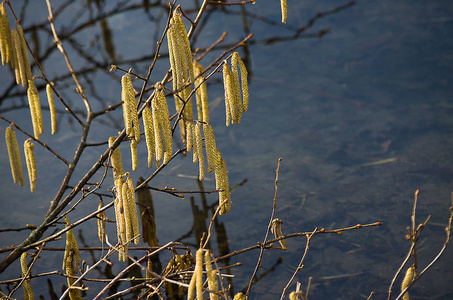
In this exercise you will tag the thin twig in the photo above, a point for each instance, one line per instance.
(35, 140)
(300, 266)
(125, 270)
(274, 206)
(65, 55)
(28, 272)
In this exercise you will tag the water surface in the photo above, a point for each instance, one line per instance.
(361, 116)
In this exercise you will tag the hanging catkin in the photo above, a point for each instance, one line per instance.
(53, 114)
(201, 93)
(284, 10)
(101, 218)
(28, 291)
(23, 45)
(211, 275)
(14, 156)
(210, 146)
(189, 136)
(199, 149)
(147, 118)
(164, 124)
(6, 46)
(35, 109)
(229, 93)
(120, 220)
(21, 73)
(130, 108)
(235, 104)
(236, 61)
(71, 261)
(196, 282)
(159, 151)
(181, 63)
(407, 279)
(132, 208)
(116, 159)
(222, 184)
(31, 163)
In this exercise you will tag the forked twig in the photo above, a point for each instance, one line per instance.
(262, 246)
(300, 266)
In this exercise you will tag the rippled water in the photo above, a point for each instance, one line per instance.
(361, 116)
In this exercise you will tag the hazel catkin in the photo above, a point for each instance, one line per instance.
(14, 156)
(35, 109)
(53, 114)
(6, 47)
(31, 163)
(130, 108)
(28, 291)
(147, 117)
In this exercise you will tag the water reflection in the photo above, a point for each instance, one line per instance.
(360, 112)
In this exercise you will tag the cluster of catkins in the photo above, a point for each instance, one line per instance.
(13, 48)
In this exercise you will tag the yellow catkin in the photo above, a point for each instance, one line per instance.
(198, 147)
(15, 63)
(277, 231)
(134, 157)
(71, 261)
(119, 215)
(116, 159)
(226, 86)
(195, 144)
(187, 50)
(222, 184)
(293, 296)
(71, 246)
(210, 146)
(284, 10)
(28, 291)
(239, 296)
(23, 44)
(196, 282)
(21, 75)
(14, 156)
(236, 88)
(212, 278)
(198, 273)
(182, 67)
(127, 215)
(191, 290)
(53, 114)
(175, 62)
(35, 109)
(5, 37)
(201, 94)
(237, 61)
(189, 136)
(101, 217)
(132, 209)
(130, 108)
(31, 163)
(164, 124)
(406, 281)
(159, 151)
(147, 117)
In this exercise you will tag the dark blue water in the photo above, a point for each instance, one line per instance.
(361, 116)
